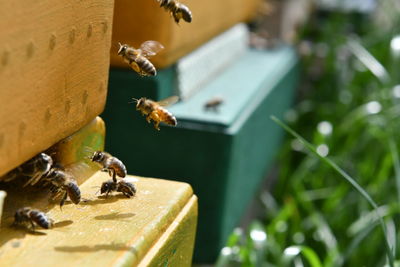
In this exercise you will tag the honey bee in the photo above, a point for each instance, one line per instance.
(177, 10)
(27, 215)
(33, 169)
(155, 110)
(63, 183)
(138, 58)
(110, 164)
(213, 104)
(126, 188)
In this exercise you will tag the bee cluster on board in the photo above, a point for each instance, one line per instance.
(42, 171)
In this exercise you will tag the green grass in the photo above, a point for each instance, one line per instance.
(317, 213)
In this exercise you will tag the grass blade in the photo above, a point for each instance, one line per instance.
(293, 251)
(347, 177)
(369, 61)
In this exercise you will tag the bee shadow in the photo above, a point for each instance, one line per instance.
(101, 200)
(112, 247)
(115, 216)
(63, 223)
(17, 233)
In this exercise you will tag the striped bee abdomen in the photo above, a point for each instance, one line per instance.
(73, 192)
(40, 219)
(119, 167)
(147, 68)
(167, 117)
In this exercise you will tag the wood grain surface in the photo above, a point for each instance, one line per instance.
(142, 20)
(154, 228)
(54, 59)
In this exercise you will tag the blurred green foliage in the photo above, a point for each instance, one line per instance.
(349, 108)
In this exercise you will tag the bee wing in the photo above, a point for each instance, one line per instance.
(77, 169)
(150, 48)
(34, 179)
(168, 101)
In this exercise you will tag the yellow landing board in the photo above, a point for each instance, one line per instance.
(154, 228)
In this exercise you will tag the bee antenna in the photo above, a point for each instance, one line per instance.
(88, 149)
(116, 45)
(134, 101)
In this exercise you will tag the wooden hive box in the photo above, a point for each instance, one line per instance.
(54, 59)
(141, 20)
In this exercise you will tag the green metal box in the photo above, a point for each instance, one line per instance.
(223, 154)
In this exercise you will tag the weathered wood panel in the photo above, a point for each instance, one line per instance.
(54, 59)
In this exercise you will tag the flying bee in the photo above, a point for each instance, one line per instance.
(155, 111)
(63, 183)
(138, 58)
(213, 104)
(126, 188)
(33, 169)
(110, 164)
(27, 215)
(177, 10)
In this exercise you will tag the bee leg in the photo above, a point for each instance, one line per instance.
(156, 119)
(114, 176)
(148, 118)
(63, 200)
(32, 226)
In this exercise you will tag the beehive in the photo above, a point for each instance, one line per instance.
(142, 20)
(224, 153)
(54, 58)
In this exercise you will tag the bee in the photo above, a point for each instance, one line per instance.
(63, 183)
(32, 216)
(155, 110)
(213, 104)
(110, 164)
(138, 58)
(177, 10)
(126, 188)
(33, 169)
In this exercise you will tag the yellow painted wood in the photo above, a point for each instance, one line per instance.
(73, 151)
(141, 20)
(54, 60)
(111, 231)
(175, 246)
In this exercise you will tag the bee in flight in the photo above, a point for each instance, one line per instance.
(126, 188)
(177, 10)
(27, 215)
(155, 111)
(64, 184)
(110, 164)
(138, 58)
(33, 169)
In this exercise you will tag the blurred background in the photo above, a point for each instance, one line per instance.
(346, 105)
